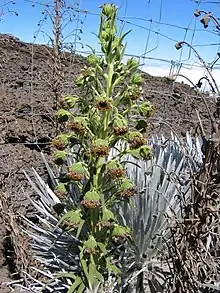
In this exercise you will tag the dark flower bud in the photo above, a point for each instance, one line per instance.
(205, 21)
(178, 45)
(63, 115)
(103, 104)
(60, 158)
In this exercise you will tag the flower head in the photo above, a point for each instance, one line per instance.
(120, 126)
(109, 10)
(77, 172)
(147, 109)
(93, 59)
(119, 131)
(91, 200)
(115, 170)
(90, 246)
(127, 189)
(61, 191)
(120, 234)
(78, 125)
(134, 92)
(146, 152)
(61, 141)
(137, 78)
(103, 104)
(136, 139)
(100, 148)
(73, 220)
(107, 220)
(132, 63)
(80, 81)
(87, 75)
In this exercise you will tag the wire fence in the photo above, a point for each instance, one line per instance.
(154, 32)
(144, 25)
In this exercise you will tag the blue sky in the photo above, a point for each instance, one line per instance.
(152, 22)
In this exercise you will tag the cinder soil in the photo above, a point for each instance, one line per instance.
(27, 106)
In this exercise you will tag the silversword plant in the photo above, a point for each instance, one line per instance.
(112, 111)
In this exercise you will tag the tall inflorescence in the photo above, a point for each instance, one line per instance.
(112, 111)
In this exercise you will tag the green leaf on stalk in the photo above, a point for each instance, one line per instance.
(94, 274)
(76, 284)
(80, 228)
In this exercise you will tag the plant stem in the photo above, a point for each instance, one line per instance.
(109, 80)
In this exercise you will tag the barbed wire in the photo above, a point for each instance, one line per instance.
(123, 19)
(163, 60)
(132, 21)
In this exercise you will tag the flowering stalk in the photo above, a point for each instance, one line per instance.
(113, 111)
